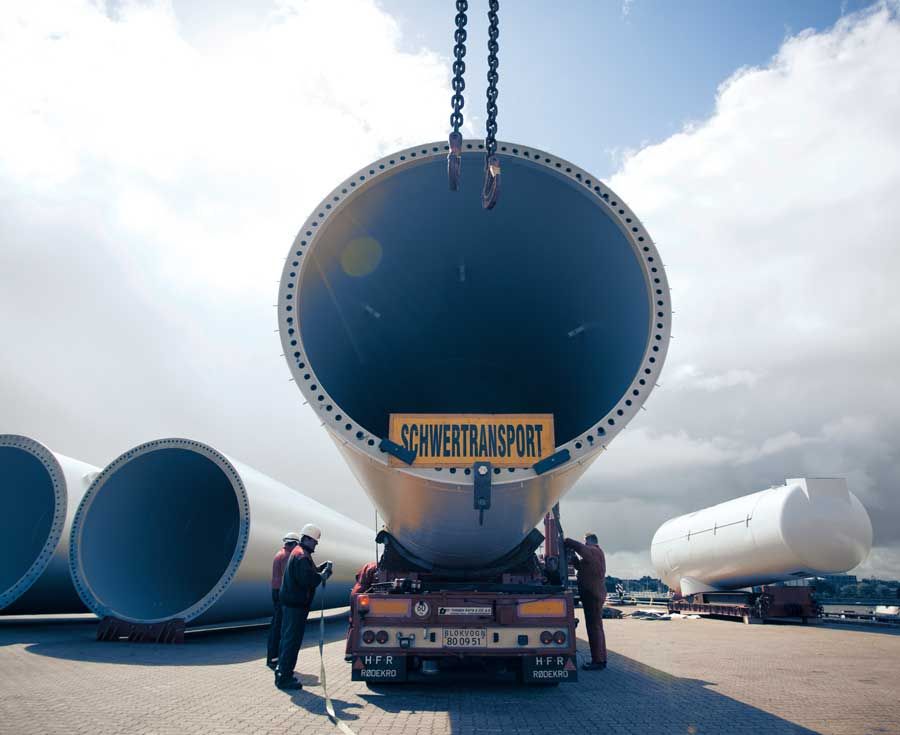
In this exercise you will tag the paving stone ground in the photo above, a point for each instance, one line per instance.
(690, 676)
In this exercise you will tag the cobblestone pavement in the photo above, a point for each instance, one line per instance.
(689, 676)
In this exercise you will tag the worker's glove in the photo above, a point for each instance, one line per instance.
(327, 571)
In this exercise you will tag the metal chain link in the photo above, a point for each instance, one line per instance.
(459, 66)
(490, 141)
(454, 158)
(491, 191)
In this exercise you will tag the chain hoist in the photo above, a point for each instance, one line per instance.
(454, 158)
(490, 192)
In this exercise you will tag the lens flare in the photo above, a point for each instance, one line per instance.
(361, 256)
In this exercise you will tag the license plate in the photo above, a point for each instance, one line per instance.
(379, 667)
(549, 668)
(465, 638)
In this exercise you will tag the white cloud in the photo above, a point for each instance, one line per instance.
(643, 453)
(211, 157)
(686, 376)
(628, 564)
(150, 188)
(883, 563)
(778, 215)
(619, 522)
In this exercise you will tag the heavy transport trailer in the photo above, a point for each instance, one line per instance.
(515, 616)
(469, 366)
(769, 603)
(399, 636)
(719, 558)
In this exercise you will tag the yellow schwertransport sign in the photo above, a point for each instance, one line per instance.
(457, 440)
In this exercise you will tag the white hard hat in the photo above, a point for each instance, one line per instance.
(291, 536)
(311, 530)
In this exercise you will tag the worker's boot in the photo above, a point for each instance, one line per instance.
(288, 684)
(273, 664)
(594, 665)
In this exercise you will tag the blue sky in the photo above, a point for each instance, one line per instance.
(588, 80)
(591, 79)
(158, 156)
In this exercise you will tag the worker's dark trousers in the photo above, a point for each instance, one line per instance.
(293, 623)
(593, 619)
(275, 629)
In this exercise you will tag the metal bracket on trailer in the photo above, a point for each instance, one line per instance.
(482, 498)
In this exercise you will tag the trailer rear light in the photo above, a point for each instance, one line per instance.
(381, 636)
(559, 637)
(555, 608)
(369, 637)
(546, 637)
(362, 602)
(390, 608)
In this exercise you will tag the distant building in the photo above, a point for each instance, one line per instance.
(839, 580)
(644, 584)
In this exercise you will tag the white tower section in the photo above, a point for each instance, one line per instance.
(804, 528)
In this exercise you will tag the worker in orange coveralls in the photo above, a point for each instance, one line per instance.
(365, 578)
(591, 566)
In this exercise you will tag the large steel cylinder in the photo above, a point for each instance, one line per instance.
(39, 492)
(399, 296)
(175, 529)
(806, 527)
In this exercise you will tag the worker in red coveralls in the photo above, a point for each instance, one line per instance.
(301, 578)
(365, 578)
(290, 540)
(591, 566)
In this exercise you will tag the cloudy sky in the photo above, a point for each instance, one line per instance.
(156, 160)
